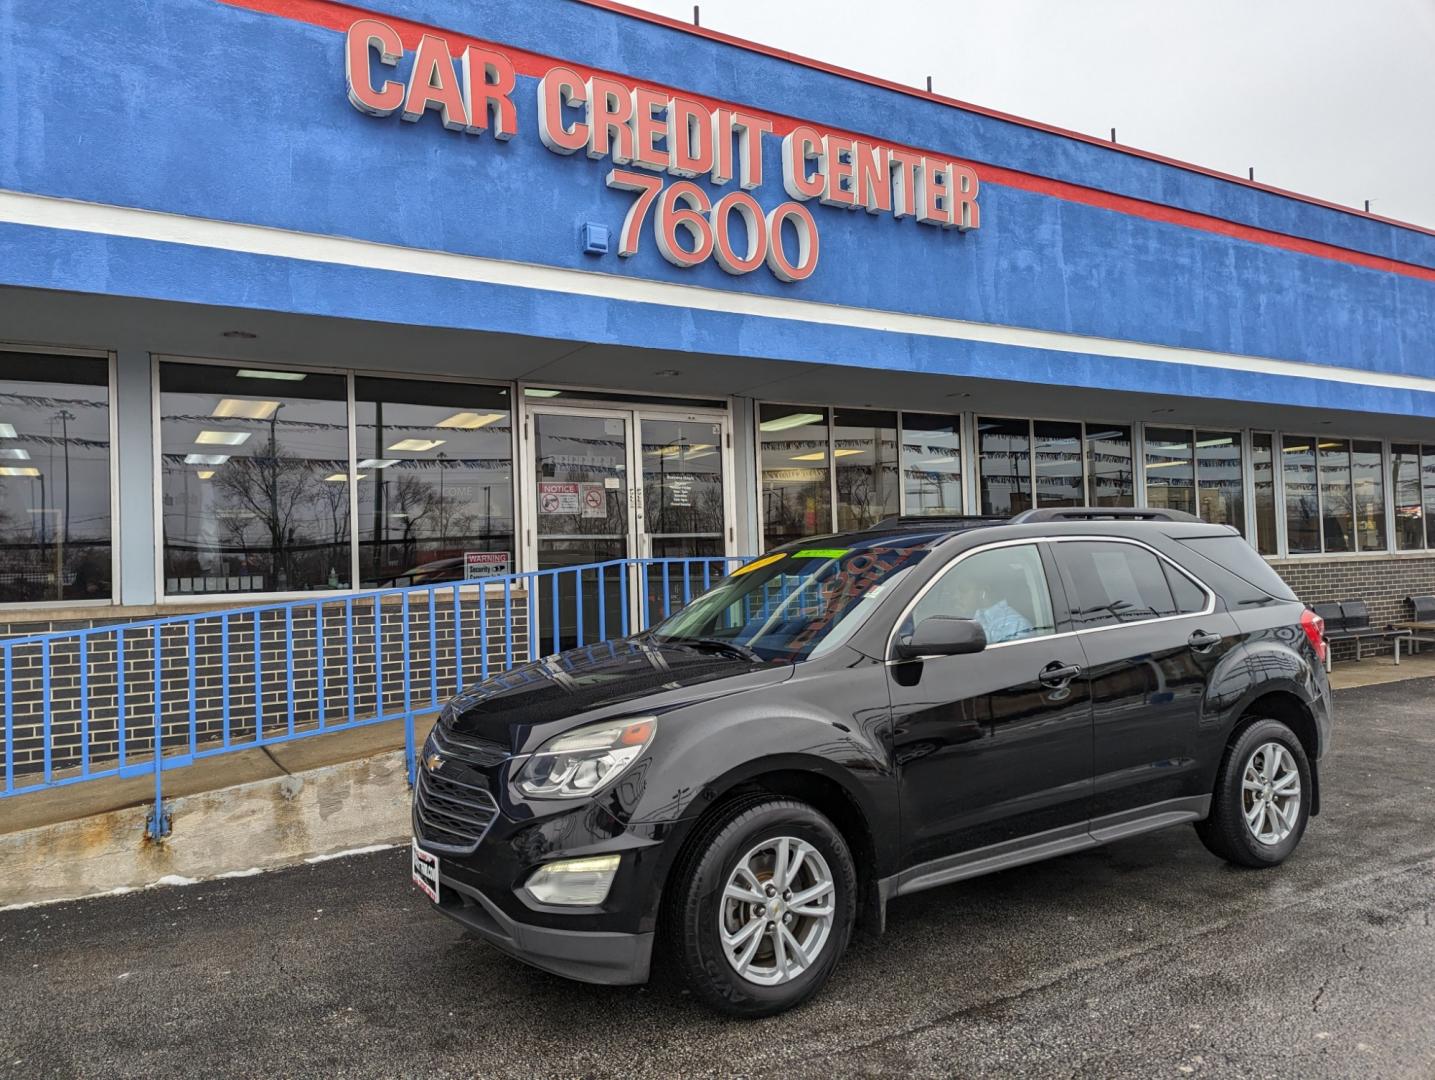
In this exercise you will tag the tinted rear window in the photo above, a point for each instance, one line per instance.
(1239, 559)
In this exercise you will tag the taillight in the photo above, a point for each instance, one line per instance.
(1314, 627)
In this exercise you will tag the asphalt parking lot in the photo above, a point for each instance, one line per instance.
(1142, 959)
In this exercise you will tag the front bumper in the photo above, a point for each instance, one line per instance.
(594, 956)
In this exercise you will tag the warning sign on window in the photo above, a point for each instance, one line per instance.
(558, 499)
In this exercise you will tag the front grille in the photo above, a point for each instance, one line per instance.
(449, 814)
(484, 753)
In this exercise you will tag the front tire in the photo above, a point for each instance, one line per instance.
(1261, 804)
(762, 907)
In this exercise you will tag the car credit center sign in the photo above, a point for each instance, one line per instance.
(646, 132)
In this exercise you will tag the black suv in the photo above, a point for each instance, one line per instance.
(865, 715)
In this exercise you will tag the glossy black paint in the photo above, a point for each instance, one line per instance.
(923, 759)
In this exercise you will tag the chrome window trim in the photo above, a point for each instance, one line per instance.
(1206, 611)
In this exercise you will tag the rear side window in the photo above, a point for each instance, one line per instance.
(1240, 560)
(1110, 583)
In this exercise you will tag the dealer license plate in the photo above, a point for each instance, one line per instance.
(425, 871)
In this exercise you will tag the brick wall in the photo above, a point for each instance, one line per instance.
(323, 663)
(1383, 582)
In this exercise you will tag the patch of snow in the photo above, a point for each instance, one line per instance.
(352, 851)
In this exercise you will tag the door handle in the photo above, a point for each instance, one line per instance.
(1056, 674)
(1203, 641)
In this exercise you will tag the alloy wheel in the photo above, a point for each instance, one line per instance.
(777, 911)
(1270, 793)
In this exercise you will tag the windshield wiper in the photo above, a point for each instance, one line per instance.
(723, 645)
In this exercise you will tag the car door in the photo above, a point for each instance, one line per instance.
(994, 746)
(1152, 635)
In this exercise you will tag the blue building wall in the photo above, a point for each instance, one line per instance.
(201, 108)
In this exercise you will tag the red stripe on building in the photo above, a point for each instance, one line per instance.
(338, 17)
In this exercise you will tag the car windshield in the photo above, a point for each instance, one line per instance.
(794, 605)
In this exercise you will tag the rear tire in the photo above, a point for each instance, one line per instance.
(1261, 803)
(738, 946)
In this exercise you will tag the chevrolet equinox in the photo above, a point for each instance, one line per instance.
(857, 717)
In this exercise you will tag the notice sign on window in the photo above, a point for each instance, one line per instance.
(481, 564)
(558, 499)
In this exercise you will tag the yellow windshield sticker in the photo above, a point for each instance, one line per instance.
(820, 553)
(758, 564)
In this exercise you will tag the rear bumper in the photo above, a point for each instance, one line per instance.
(609, 958)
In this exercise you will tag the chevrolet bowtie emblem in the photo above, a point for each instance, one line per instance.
(433, 763)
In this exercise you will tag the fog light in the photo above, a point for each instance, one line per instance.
(574, 881)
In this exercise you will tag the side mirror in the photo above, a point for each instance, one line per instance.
(940, 636)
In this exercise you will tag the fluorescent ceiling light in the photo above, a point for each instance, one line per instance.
(417, 446)
(282, 376)
(845, 453)
(820, 455)
(1227, 441)
(7, 431)
(16, 454)
(792, 420)
(377, 463)
(221, 438)
(675, 450)
(205, 459)
(932, 463)
(205, 474)
(240, 409)
(468, 421)
(343, 478)
(1167, 464)
(23, 470)
(530, 392)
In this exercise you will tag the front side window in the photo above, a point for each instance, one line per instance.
(54, 478)
(793, 605)
(254, 478)
(435, 480)
(796, 476)
(1004, 589)
(1110, 583)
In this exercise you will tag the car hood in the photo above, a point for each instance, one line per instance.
(630, 676)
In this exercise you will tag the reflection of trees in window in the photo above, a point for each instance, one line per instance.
(54, 478)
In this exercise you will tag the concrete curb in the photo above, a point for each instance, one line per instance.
(260, 825)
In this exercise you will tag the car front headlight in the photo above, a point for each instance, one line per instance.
(580, 762)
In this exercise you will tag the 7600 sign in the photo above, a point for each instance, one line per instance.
(684, 207)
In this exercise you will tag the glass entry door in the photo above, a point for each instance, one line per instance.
(622, 483)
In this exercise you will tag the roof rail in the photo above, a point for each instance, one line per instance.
(938, 521)
(1100, 513)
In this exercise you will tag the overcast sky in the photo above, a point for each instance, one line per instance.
(1330, 98)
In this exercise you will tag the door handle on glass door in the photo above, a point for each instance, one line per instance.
(1056, 674)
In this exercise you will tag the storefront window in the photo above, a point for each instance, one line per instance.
(1056, 461)
(54, 478)
(435, 480)
(1302, 501)
(1337, 512)
(932, 463)
(1405, 490)
(254, 477)
(1004, 465)
(1219, 484)
(864, 446)
(1264, 489)
(1170, 471)
(796, 481)
(1368, 483)
(1110, 480)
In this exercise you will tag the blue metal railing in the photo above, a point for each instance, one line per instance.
(144, 698)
